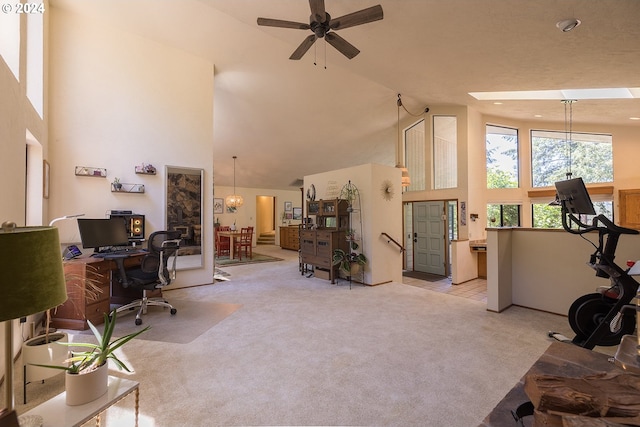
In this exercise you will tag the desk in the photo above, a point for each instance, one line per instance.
(80, 306)
(233, 236)
(56, 413)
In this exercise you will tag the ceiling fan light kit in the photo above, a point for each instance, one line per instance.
(323, 26)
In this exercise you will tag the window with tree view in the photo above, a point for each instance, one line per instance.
(502, 157)
(503, 215)
(555, 154)
(545, 215)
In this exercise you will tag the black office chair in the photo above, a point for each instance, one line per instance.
(154, 272)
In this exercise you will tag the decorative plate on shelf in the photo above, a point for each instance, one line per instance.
(311, 193)
(387, 190)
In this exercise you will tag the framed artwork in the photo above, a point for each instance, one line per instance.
(297, 213)
(218, 206)
(288, 215)
(288, 206)
(45, 179)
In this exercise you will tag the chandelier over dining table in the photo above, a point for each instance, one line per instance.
(234, 200)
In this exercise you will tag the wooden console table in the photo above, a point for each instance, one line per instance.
(56, 413)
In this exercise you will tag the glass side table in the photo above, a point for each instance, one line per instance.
(56, 413)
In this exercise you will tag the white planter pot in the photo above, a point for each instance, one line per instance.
(85, 387)
(35, 351)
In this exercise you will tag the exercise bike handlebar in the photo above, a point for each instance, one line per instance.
(607, 225)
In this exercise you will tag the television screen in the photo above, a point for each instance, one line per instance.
(101, 233)
(573, 195)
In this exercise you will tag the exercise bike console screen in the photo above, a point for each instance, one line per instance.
(103, 233)
(574, 196)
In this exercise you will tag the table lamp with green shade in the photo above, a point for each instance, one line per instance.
(31, 281)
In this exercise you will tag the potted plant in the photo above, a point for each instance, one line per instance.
(44, 349)
(117, 185)
(87, 370)
(348, 262)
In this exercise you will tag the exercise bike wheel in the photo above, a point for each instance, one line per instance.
(587, 313)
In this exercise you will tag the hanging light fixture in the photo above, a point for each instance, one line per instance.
(406, 179)
(235, 200)
(568, 131)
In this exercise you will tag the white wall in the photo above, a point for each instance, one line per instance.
(545, 269)
(118, 100)
(378, 215)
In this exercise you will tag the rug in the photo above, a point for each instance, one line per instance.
(192, 320)
(428, 277)
(226, 262)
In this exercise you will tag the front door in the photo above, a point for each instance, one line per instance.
(429, 237)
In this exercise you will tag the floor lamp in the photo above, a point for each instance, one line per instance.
(31, 281)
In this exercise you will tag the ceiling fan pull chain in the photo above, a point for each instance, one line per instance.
(325, 53)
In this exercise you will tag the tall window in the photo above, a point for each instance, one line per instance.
(546, 216)
(585, 155)
(414, 159)
(503, 215)
(502, 157)
(445, 152)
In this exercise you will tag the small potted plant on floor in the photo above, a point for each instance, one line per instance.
(87, 370)
(348, 262)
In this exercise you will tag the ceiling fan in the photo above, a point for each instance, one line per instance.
(322, 25)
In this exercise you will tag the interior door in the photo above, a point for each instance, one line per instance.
(429, 237)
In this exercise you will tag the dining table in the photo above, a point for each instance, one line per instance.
(233, 236)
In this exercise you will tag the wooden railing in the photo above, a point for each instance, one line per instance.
(391, 239)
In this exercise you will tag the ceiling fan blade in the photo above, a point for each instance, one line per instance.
(370, 14)
(343, 46)
(268, 22)
(317, 10)
(304, 47)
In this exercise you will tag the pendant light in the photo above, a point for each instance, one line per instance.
(235, 200)
(568, 131)
(406, 179)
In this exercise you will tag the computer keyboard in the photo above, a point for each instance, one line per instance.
(119, 251)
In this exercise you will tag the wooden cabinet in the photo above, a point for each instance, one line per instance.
(317, 244)
(83, 303)
(289, 237)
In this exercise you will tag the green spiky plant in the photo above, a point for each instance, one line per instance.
(97, 355)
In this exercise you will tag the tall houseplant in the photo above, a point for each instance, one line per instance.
(91, 362)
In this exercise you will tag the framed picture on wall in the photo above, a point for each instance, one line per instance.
(297, 213)
(218, 206)
(288, 206)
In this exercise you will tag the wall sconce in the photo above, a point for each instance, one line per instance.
(473, 216)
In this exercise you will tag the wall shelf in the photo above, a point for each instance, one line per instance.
(608, 189)
(91, 171)
(145, 169)
(127, 188)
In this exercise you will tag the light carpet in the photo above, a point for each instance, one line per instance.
(192, 319)
(301, 351)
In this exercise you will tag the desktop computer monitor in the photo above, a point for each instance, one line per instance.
(573, 195)
(102, 233)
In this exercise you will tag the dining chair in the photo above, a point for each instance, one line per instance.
(244, 241)
(223, 243)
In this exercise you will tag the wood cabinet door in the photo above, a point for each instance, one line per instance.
(630, 208)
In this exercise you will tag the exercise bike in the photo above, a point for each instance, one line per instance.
(604, 317)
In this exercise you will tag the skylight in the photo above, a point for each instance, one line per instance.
(600, 93)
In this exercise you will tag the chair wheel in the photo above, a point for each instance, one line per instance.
(174, 311)
(138, 322)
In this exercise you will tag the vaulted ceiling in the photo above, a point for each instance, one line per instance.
(285, 119)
